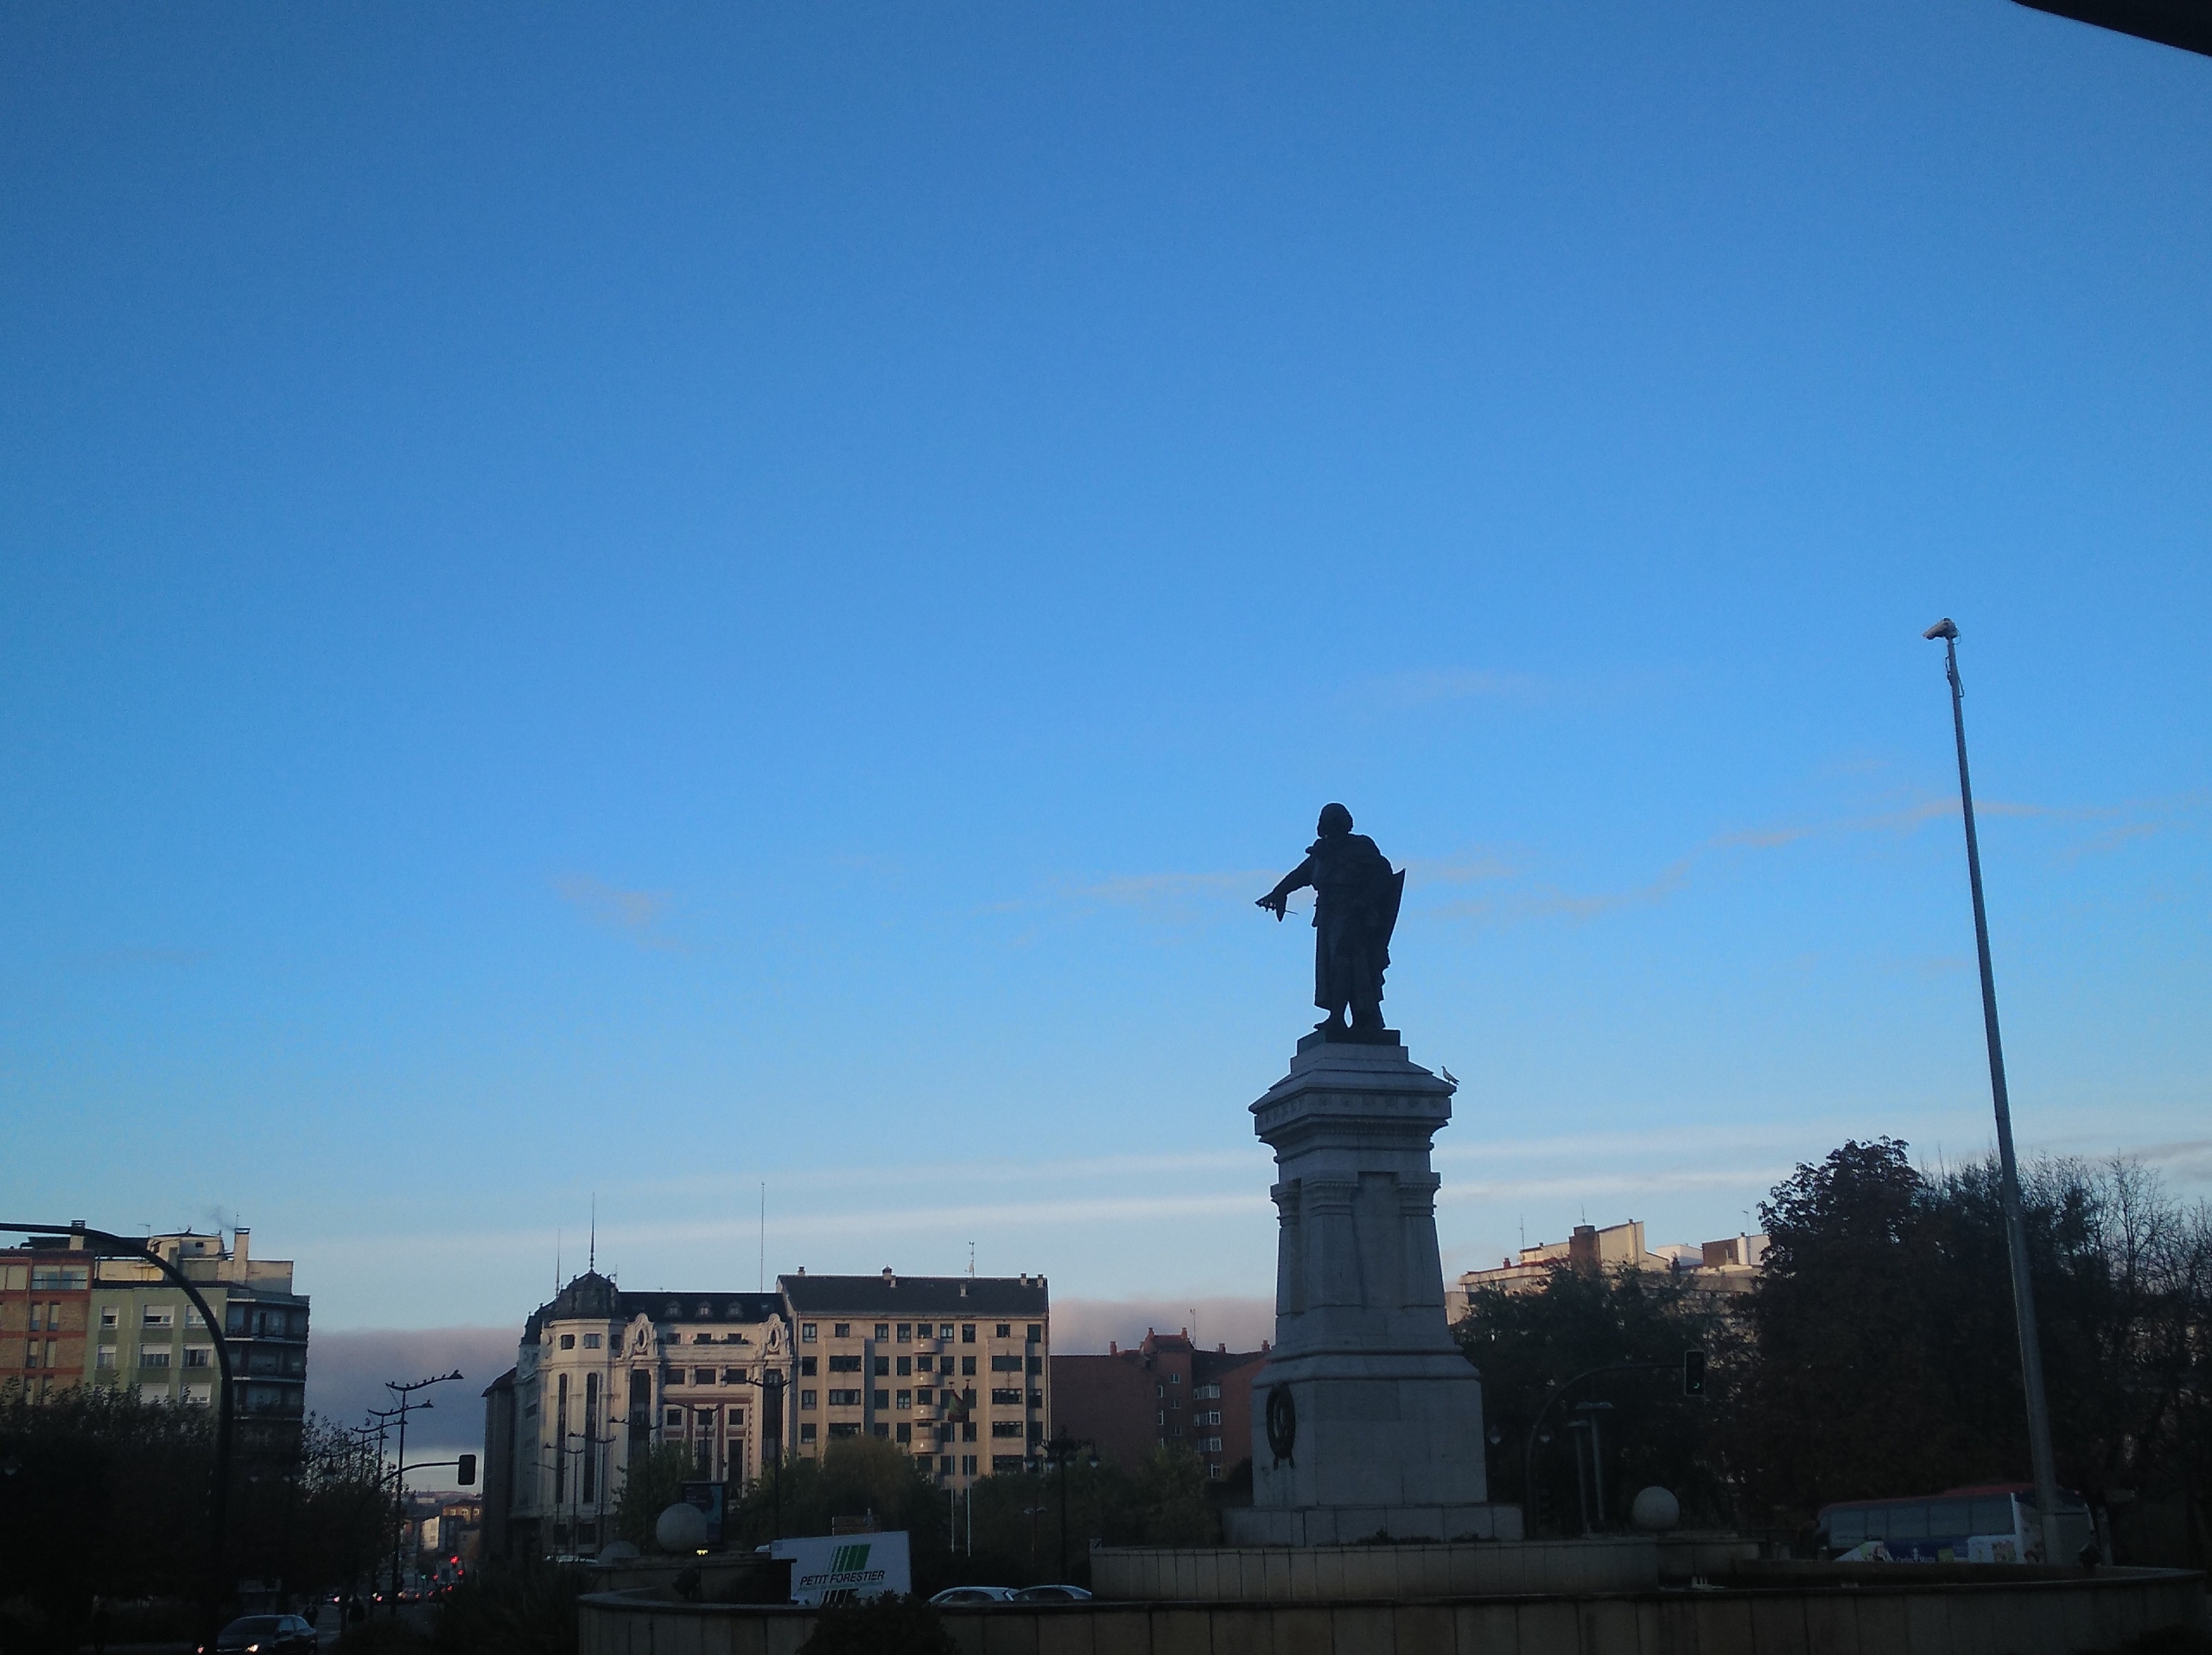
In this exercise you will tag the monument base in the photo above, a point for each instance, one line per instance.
(1346, 1525)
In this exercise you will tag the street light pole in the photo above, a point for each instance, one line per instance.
(2016, 1235)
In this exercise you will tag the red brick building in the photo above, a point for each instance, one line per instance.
(1165, 1393)
(45, 1311)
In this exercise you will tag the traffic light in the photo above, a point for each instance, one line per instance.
(1693, 1373)
(468, 1469)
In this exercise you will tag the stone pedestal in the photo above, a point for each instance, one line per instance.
(1366, 1417)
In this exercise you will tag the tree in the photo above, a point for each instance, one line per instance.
(1527, 1344)
(653, 1482)
(1886, 1360)
(106, 1495)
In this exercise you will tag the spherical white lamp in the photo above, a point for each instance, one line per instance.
(1656, 1510)
(682, 1529)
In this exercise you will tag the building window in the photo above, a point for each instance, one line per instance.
(945, 1464)
(883, 1366)
(676, 1417)
(1205, 1392)
(1005, 1331)
(967, 1465)
(1037, 1365)
(924, 1396)
(157, 1316)
(1209, 1445)
(841, 1330)
(905, 1332)
(844, 1364)
(806, 1367)
(879, 1429)
(806, 1333)
(882, 1332)
(702, 1338)
(806, 1399)
(883, 1399)
(846, 1427)
(906, 1365)
(153, 1356)
(806, 1431)
(1006, 1399)
(1036, 1333)
(702, 1376)
(967, 1367)
(944, 1330)
(906, 1399)
(732, 1376)
(568, 1341)
(107, 1315)
(1005, 1465)
(199, 1356)
(1175, 1378)
(967, 1333)
(967, 1431)
(591, 1341)
(737, 1419)
(844, 1399)
(1006, 1365)
(105, 1358)
(1005, 1427)
(905, 1431)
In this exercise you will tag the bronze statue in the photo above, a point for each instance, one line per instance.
(1355, 911)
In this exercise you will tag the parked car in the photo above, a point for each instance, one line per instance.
(1051, 1595)
(263, 1634)
(973, 1595)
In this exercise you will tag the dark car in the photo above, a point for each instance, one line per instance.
(1051, 1595)
(263, 1634)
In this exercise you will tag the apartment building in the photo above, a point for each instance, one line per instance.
(954, 1370)
(147, 1335)
(1716, 1272)
(1165, 1393)
(601, 1375)
(45, 1314)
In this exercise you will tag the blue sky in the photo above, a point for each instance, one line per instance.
(643, 604)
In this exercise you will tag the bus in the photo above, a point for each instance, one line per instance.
(1990, 1523)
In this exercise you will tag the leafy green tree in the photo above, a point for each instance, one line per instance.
(1886, 1360)
(653, 1482)
(106, 1496)
(1527, 1344)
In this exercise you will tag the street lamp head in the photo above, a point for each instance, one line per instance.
(1945, 629)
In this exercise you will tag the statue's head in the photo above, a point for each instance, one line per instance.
(1335, 818)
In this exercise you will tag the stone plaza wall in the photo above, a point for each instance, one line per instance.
(1901, 1616)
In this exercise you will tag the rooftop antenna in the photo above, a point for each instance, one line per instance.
(971, 1261)
(593, 1256)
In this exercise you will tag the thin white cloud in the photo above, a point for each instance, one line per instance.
(636, 914)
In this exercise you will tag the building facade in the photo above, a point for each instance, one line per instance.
(45, 1315)
(601, 1375)
(953, 1370)
(1165, 1393)
(148, 1336)
(1717, 1273)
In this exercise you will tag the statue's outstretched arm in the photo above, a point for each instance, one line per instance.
(1296, 879)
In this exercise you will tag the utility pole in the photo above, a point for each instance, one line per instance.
(2016, 1234)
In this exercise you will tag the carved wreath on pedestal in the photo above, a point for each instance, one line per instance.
(1282, 1423)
